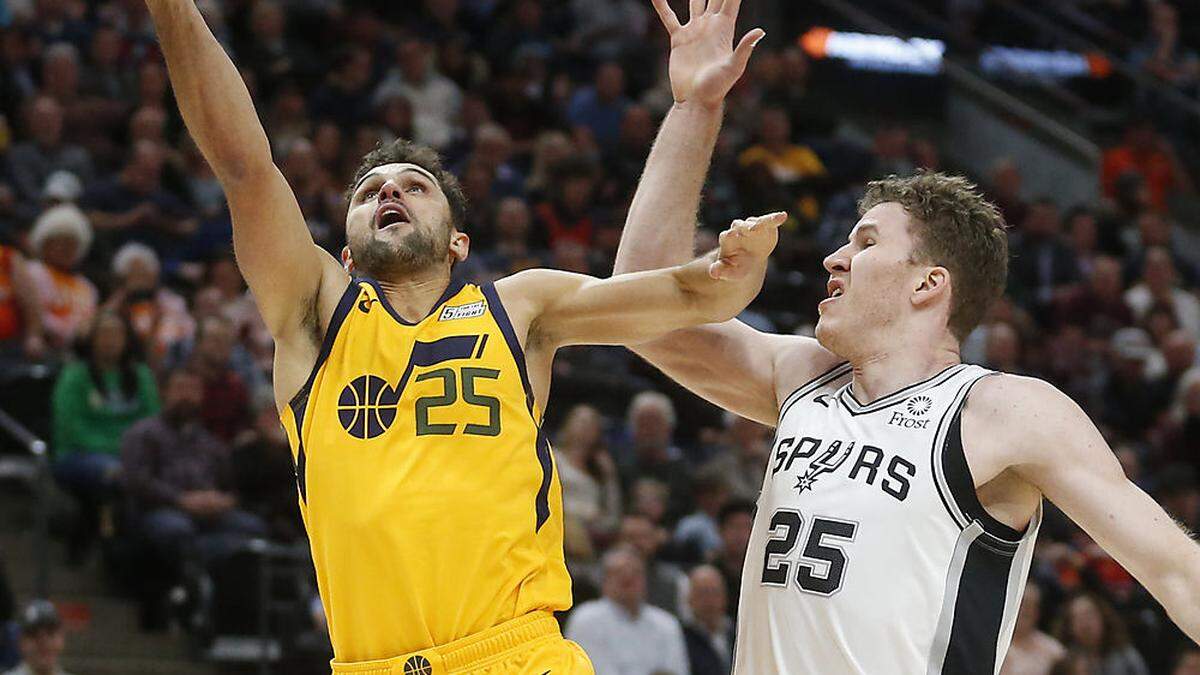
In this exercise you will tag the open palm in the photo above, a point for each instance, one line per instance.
(704, 65)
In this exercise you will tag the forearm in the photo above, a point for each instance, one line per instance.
(1179, 594)
(212, 98)
(660, 227)
(716, 300)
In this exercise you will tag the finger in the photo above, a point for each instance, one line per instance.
(745, 47)
(731, 7)
(721, 269)
(773, 219)
(695, 9)
(666, 15)
(714, 6)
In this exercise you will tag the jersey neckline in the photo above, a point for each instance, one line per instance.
(452, 289)
(852, 404)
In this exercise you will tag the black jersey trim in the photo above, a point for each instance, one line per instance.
(808, 386)
(452, 289)
(299, 402)
(542, 500)
(982, 595)
(962, 484)
(840, 370)
(852, 406)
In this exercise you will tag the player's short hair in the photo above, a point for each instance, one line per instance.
(401, 151)
(956, 228)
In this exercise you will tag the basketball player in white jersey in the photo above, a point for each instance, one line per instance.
(901, 501)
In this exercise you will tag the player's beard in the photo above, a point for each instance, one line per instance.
(417, 251)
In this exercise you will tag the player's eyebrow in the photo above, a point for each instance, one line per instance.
(862, 228)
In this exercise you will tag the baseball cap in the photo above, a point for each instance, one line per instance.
(39, 614)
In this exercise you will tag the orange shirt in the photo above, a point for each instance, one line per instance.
(68, 301)
(10, 310)
(1154, 167)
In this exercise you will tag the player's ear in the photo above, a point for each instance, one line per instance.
(460, 245)
(932, 286)
(347, 261)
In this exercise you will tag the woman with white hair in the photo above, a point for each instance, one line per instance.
(158, 315)
(60, 239)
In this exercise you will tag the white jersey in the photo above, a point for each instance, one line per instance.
(870, 551)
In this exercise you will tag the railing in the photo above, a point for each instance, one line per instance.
(1065, 138)
(41, 485)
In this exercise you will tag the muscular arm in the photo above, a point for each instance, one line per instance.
(660, 228)
(276, 253)
(1056, 448)
(561, 308)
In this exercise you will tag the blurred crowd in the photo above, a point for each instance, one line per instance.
(116, 272)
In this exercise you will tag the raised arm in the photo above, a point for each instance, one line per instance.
(276, 253)
(660, 228)
(1057, 449)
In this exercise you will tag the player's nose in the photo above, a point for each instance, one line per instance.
(390, 190)
(837, 261)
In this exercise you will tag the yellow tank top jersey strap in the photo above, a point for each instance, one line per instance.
(427, 487)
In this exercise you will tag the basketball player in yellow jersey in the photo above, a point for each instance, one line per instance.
(413, 405)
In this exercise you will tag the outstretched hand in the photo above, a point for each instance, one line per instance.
(704, 65)
(744, 244)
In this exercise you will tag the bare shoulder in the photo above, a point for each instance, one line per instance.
(1025, 415)
(800, 360)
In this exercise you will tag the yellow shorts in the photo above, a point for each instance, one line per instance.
(527, 645)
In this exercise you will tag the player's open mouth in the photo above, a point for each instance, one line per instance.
(390, 214)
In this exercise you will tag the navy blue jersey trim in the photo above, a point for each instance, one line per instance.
(453, 288)
(345, 304)
(542, 500)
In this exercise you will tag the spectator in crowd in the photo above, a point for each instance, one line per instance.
(1130, 402)
(31, 162)
(136, 205)
(709, 632)
(735, 520)
(1032, 652)
(262, 468)
(742, 456)
(590, 485)
(781, 171)
(97, 398)
(1098, 305)
(42, 641)
(1003, 348)
(600, 108)
(664, 580)
(1163, 54)
(651, 424)
(1188, 662)
(1159, 286)
(179, 483)
(512, 251)
(21, 331)
(159, 316)
(1005, 185)
(697, 535)
(623, 635)
(1090, 626)
(225, 411)
(568, 215)
(1041, 266)
(1146, 154)
(435, 98)
(60, 239)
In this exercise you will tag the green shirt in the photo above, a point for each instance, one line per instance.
(87, 419)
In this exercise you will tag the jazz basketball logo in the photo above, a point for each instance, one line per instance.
(418, 665)
(367, 406)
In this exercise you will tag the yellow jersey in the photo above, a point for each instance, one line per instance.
(427, 487)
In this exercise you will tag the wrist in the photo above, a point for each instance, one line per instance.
(694, 107)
